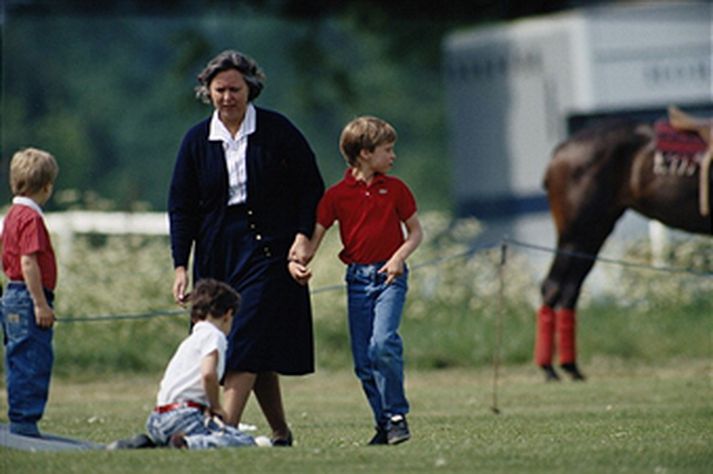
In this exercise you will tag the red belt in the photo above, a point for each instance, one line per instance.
(177, 405)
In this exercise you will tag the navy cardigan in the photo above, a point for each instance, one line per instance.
(283, 188)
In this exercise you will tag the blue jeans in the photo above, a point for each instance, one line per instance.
(28, 359)
(200, 432)
(374, 317)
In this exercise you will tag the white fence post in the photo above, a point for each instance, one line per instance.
(660, 237)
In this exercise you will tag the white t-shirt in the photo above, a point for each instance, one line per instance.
(182, 380)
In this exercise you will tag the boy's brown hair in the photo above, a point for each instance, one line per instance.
(31, 169)
(212, 298)
(364, 133)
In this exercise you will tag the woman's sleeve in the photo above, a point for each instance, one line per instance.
(183, 200)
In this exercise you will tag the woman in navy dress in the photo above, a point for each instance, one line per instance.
(243, 195)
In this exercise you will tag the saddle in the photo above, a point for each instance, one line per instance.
(684, 122)
(686, 144)
(690, 137)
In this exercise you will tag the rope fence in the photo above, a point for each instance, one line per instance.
(503, 244)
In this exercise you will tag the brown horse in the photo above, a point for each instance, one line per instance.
(591, 180)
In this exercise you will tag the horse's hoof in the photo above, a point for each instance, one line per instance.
(550, 374)
(573, 371)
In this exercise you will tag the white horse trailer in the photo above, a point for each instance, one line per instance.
(514, 91)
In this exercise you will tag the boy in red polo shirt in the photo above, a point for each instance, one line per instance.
(371, 209)
(27, 315)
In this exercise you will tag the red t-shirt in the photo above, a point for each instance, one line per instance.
(24, 233)
(369, 216)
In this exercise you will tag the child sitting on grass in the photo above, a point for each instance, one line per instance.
(188, 411)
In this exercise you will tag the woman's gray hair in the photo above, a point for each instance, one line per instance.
(231, 59)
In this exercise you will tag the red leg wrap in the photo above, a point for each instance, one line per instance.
(544, 344)
(566, 328)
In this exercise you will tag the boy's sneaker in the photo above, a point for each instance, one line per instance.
(398, 430)
(379, 438)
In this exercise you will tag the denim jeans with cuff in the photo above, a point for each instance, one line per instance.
(28, 359)
(375, 310)
(200, 432)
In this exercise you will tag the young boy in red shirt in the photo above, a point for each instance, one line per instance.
(371, 208)
(27, 315)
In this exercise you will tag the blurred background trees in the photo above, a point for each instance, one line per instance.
(107, 86)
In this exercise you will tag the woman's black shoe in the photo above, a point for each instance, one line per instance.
(283, 442)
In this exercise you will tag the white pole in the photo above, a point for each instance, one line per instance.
(660, 237)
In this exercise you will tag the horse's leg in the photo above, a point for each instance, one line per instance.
(587, 183)
(557, 315)
(583, 223)
(545, 333)
(578, 267)
(544, 341)
(576, 253)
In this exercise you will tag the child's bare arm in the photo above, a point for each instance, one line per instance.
(316, 240)
(211, 384)
(44, 315)
(395, 265)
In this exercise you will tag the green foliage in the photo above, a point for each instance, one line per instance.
(112, 96)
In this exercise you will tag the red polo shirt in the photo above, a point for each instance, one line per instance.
(369, 216)
(24, 233)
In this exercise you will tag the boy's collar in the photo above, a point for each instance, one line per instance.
(25, 201)
(353, 181)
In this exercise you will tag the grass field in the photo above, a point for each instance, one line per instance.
(623, 419)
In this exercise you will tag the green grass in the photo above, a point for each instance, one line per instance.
(625, 418)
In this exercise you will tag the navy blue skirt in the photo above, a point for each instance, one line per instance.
(273, 328)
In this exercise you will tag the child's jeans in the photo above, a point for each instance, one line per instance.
(28, 359)
(200, 432)
(374, 316)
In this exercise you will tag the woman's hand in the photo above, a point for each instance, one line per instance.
(180, 285)
(299, 272)
(301, 250)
